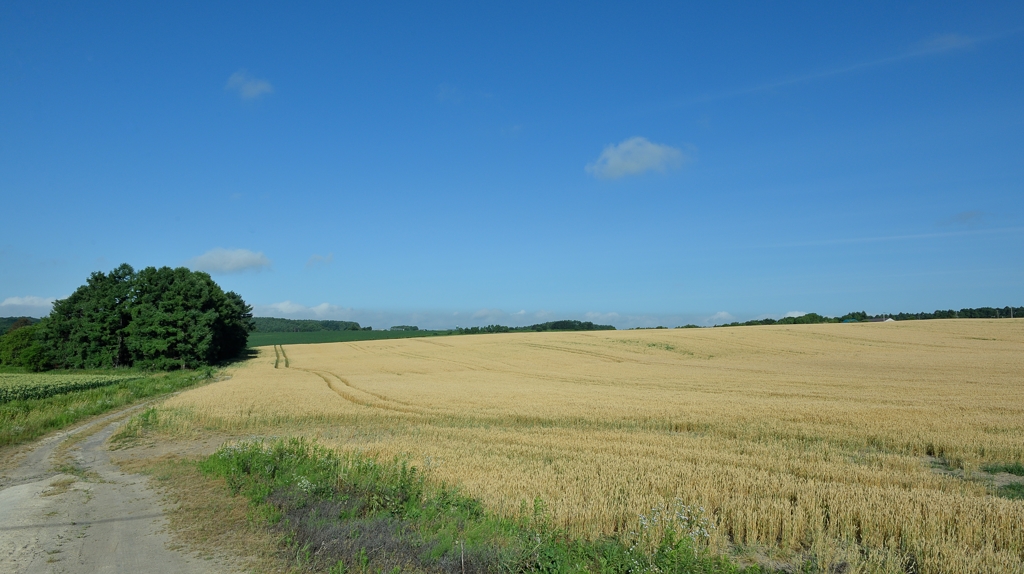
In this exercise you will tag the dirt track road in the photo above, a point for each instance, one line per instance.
(98, 519)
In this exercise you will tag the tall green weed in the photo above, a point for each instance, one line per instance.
(352, 513)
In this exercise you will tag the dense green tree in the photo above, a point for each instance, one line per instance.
(568, 325)
(156, 318)
(87, 330)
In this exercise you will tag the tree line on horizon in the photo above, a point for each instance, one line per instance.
(277, 325)
(162, 319)
(181, 319)
(861, 316)
(563, 325)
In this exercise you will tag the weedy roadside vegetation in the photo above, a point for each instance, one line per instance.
(352, 513)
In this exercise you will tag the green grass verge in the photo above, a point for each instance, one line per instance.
(258, 339)
(1012, 468)
(352, 513)
(25, 420)
(1012, 491)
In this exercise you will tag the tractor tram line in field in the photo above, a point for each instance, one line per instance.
(375, 402)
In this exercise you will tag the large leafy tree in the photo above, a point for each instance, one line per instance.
(88, 329)
(155, 318)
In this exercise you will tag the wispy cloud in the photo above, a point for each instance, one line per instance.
(635, 156)
(935, 45)
(931, 46)
(221, 260)
(795, 314)
(886, 238)
(942, 43)
(248, 87)
(319, 260)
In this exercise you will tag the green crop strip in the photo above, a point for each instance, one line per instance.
(17, 387)
(22, 420)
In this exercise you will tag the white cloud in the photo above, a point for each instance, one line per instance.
(795, 314)
(297, 310)
(30, 301)
(221, 260)
(248, 87)
(320, 260)
(29, 306)
(634, 157)
(325, 309)
(720, 317)
(286, 307)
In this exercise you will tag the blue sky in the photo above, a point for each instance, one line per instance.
(460, 165)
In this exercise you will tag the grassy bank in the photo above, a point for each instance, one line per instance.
(27, 419)
(351, 513)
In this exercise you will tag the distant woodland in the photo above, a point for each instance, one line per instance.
(275, 325)
(564, 325)
(861, 316)
(298, 332)
(7, 323)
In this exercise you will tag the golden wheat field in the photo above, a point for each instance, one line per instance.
(801, 442)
